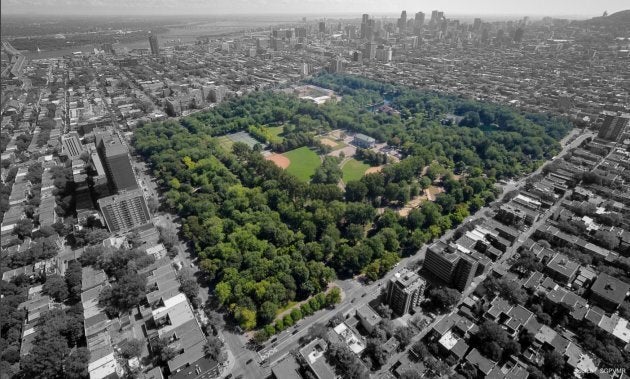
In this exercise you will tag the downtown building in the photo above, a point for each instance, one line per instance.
(153, 43)
(404, 291)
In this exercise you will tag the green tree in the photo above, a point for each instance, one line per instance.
(55, 286)
(267, 312)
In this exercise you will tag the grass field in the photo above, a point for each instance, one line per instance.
(226, 143)
(304, 162)
(353, 170)
(275, 131)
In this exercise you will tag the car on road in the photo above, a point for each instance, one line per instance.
(295, 332)
(249, 361)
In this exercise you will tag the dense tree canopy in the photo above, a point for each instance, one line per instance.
(265, 238)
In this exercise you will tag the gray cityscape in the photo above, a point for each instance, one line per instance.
(315, 189)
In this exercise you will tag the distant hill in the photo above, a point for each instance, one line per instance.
(620, 18)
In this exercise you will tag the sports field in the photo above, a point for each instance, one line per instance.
(353, 170)
(303, 164)
(279, 159)
(228, 140)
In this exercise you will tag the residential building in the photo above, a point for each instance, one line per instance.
(609, 292)
(115, 158)
(313, 355)
(368, 317)
(124, 211)
(404, 291)
(72, 145)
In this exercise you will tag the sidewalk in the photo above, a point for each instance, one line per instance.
(227, 369)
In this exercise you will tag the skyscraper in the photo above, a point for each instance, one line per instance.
(419, 22)
(477, 24)
(115, 158)
(364, 25)
(124, 211)
(402, 22)
(404, 291)
(336, 65)
(153, 42)
(370, 50)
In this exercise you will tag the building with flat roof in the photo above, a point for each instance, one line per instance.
(368, 317)
(562, 269)
(440, 262)
(404, 291)
(313, 355)
(124, 211)
(361, 140)
(453, 264)
(609, 292)
(286, 368)
(115, 158)
(72, 145)
(612, 126)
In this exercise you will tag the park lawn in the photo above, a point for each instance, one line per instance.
(275, 132)
(353, 170)
(225, 143)
(304, 162)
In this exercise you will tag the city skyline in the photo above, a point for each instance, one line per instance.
(308, 7)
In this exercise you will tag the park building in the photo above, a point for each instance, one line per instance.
(405, 291)
(361, 140)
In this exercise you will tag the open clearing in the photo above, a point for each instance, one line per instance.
(335, 145)
(275, 132)
(225, 142)
(303, 164)
(353, 170)
(412, 204)
(373, 170)
(279, 159)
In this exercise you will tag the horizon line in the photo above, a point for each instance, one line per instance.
(301, 14)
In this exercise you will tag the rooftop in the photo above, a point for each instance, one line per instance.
(609, 288)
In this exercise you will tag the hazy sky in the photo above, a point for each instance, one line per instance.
(213, 7)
